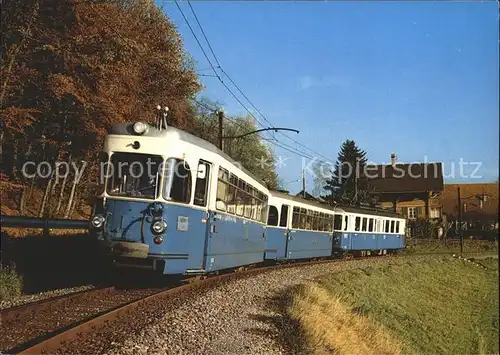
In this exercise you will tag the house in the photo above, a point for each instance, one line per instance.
(412, 190)
(479, 201)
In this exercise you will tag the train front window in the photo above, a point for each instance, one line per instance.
(177, 183)
(134, 175)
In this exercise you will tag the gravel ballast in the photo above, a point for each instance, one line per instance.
(24, 299)
(246, 316)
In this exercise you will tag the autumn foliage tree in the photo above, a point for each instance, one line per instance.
(70, 69)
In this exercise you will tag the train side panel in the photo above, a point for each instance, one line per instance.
(307, 244)
(233, 242)
(276, 239)
(364, 241)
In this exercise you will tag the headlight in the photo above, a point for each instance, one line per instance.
(140, 127)
(98, 221)
(159, 226)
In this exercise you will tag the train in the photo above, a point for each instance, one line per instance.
(175, 204)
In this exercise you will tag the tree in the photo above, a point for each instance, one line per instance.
(250, 151)
(347, 183)
(320, 171)
(70, 69)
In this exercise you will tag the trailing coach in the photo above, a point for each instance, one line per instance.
(302, 229)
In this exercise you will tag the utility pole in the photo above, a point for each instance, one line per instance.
(303, 183)
(220, 113)
(460, 221)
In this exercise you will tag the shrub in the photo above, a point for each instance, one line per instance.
(11, 284)
(424, 228)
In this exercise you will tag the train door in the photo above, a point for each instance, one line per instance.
(199, 232)
(276, 232)
(285, 209)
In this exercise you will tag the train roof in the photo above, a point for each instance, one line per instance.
(127, 129)
(338, 208)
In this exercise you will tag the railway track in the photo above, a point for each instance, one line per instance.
(62, 324)
(58, 325)
(38, 322)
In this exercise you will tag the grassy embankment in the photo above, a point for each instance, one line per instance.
(451, 246)
(440, 306)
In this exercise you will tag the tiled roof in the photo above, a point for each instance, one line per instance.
(401, 178)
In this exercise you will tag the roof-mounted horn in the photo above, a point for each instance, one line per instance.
(161, 118)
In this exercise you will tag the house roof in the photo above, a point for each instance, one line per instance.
(449, 200)
(415, 177)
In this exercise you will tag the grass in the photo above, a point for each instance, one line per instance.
(11, 284)
(451, 246)
(440, 306)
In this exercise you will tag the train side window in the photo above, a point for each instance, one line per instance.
(387, 225)
(296, 218)
(358, 224)
(284, 216)
(302, 218)
(177, 185)
(315, 222)
(263, 207)
(326, 225)
(364, 224)
(201, 188)
(308, 215)
(259, 206)
(329, 222)
(252, 202)
(346, 222)
(337, 222)
(328, 219)
(397, 227)
(248, 201)
(370, 225)
(240, 197)
(222, 191)
(272, 219)
(392, 226)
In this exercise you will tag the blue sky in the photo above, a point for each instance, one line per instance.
(416, 78)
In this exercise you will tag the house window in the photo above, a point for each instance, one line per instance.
(412, 212)
(435, 213)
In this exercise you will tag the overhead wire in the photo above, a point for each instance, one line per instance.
(239, 89)
(272, 140)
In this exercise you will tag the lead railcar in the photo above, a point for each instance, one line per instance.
(176, 204)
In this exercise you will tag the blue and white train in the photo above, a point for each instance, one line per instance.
(176, 204)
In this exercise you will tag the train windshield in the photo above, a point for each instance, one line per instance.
(134, 175)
